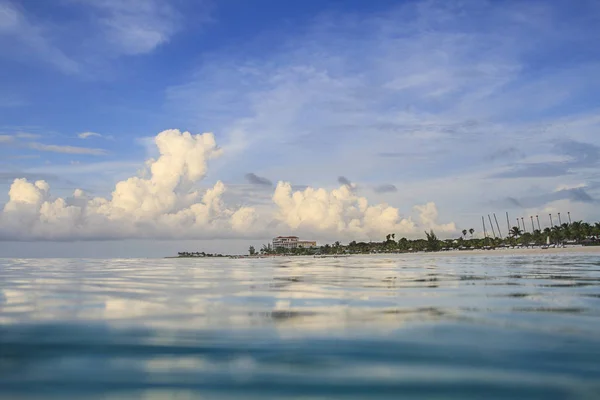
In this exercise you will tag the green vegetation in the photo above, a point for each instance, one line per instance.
(576, 233)
(185, 254)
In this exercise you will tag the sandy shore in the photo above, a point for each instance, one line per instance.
(459, 253)
(516, 252)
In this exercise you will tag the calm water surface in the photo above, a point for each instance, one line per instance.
(417, 326)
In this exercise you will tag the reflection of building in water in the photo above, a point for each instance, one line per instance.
(292, 242)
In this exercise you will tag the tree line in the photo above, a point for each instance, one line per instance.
(198, 254)
(577, 232)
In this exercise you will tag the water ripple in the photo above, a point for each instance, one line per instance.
(358, 327)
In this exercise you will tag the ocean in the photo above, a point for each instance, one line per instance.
(425, 326)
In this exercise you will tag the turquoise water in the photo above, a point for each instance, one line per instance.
(416, 326)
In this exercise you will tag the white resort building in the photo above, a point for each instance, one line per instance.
(292, 242)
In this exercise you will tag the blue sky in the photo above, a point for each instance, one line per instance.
(477, 106)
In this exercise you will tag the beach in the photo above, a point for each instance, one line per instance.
(591, 250)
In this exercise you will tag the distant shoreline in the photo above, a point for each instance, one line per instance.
(453, 253)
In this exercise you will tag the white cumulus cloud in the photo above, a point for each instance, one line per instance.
(342, 211)
(428, 216)
(162, 202)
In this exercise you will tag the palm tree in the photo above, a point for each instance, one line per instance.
(337, 245)
(515, 232)
(537, 236)
(471, 231)
(566, 231)
(576, 229)
(557, 234)
(587, 229)
(433, 244)
(464, 232)
(597, 229)
(403, 244)
(526, 238)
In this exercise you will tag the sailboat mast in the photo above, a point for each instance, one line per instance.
(497, 226)
(492, 225)
(532, 225)
(484, 231)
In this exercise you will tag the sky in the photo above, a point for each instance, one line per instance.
(147, 127)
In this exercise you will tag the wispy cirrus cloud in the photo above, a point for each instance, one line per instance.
(86, 135)
(113, 28)
(19, 135)
(136, 26)
(66, 149)
(24, 140)
(27, 37)
(457, 83)
(27, 135)
(577, 155)
(576, 195)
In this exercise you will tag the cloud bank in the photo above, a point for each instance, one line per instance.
(164, 201)
(342, 212)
